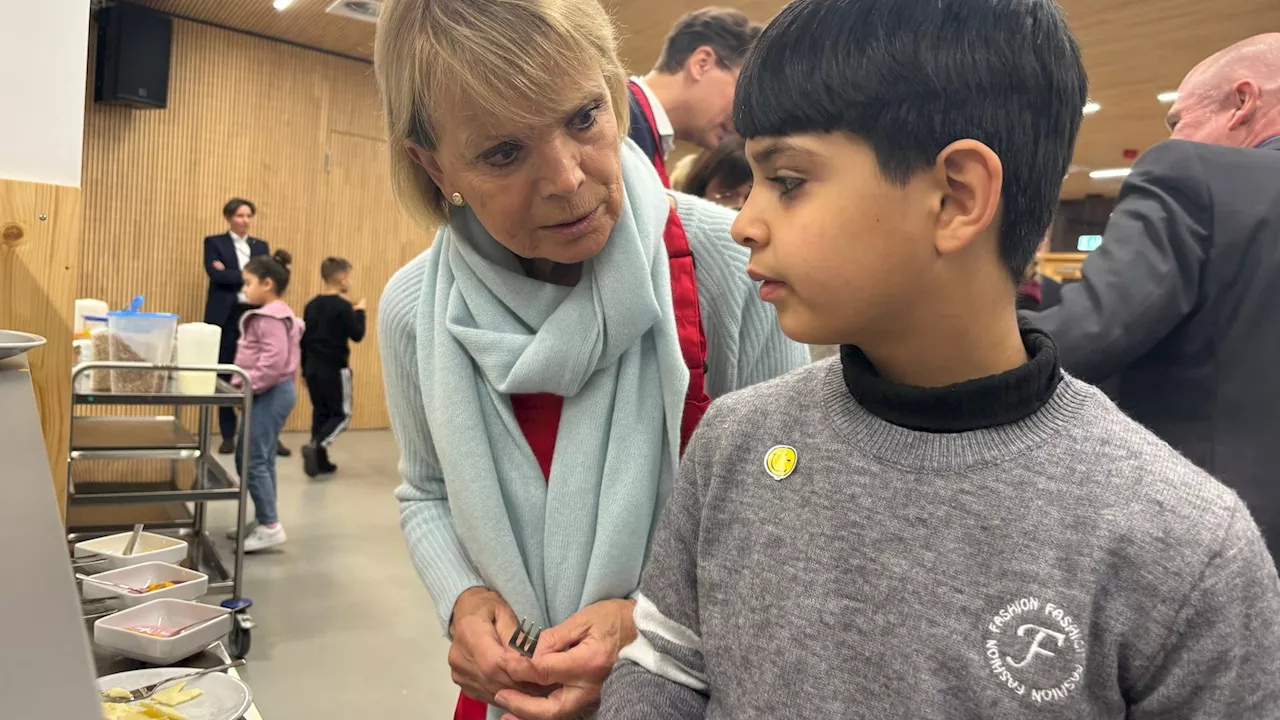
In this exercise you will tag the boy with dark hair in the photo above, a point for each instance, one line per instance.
(689, 93)
(331, 321)
(939, 523)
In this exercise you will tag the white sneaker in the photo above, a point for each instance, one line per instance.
(263, 537)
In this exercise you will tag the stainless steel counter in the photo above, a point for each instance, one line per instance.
(46, 670)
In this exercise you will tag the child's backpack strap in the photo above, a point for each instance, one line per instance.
(688, 312)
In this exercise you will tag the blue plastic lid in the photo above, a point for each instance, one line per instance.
(126, 313)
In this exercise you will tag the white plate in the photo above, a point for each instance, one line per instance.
(13, 343)
(224, 698)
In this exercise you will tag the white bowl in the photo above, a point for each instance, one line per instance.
(110, 632)
(151, 548)
(191, 585)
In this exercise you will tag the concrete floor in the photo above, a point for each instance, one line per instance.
(345, 627)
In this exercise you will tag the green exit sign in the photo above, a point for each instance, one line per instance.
(1089, 243)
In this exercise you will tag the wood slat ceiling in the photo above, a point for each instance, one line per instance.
(305, 22)
(1133, 50)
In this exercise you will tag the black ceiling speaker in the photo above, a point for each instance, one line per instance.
(133, 56)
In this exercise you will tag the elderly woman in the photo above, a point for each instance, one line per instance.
(550, 354)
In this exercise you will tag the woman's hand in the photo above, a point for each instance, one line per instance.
(577, 656)
(479, 656)
(217, 265)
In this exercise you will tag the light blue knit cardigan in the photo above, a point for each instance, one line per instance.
(745, 346)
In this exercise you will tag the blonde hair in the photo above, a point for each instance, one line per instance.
(509, 56)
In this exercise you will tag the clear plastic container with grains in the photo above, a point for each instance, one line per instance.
(140, 337)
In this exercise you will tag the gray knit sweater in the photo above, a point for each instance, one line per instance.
(1069, 565)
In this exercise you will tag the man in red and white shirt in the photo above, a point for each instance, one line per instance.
(689, 94)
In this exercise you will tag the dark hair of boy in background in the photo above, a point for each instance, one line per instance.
(332, 323)
(939, 523)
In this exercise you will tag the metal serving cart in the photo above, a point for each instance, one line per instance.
(176, 505)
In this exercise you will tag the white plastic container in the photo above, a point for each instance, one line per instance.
(198, 344)
(87, 306)
(191, 585)
(82, 352)
(141, 337)
(151, 548)
(110, 632)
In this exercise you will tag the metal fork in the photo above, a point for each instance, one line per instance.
(147, 691)
(525, 638)
(77, 563)
(128, 588)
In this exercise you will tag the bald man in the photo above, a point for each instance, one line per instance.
(1182, 301)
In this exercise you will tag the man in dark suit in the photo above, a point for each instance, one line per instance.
(1181, 299)
(225, 256)
(689, 94)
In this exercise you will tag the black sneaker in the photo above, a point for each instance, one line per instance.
(310, 463)
(283, 451)
(226, 448)
(326, 466)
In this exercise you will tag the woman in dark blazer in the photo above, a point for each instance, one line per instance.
(225, 256)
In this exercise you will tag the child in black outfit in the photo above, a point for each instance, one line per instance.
(331, 321)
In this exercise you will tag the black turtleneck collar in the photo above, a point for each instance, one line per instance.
(970, 405)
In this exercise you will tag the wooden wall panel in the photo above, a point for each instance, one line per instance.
(360, 213)
(1132, 51)
(356, 110)
(252, 118)
(40, 229)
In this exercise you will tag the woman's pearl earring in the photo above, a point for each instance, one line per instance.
(456, 199)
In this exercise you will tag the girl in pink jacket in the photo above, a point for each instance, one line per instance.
(269, 353)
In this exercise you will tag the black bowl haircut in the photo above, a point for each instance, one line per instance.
(910, 77)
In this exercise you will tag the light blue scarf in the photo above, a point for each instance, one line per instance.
(609, 347)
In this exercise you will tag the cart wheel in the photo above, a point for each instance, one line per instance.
(238, 642)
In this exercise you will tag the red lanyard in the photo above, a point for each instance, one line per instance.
(658, 161)
(689, 329)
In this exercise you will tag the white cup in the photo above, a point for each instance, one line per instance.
(198, 345)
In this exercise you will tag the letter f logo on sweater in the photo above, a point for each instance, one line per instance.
(1028, 658)
(1041, 634)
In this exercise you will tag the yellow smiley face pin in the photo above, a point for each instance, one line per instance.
(780, 462)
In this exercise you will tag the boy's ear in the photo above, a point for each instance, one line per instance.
(972, 176)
